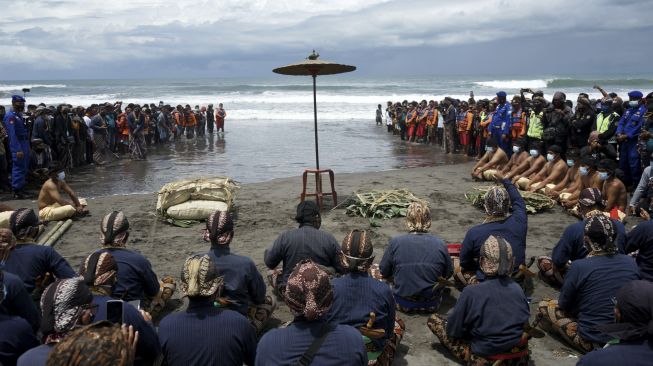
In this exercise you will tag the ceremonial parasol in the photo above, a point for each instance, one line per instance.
(314, 67)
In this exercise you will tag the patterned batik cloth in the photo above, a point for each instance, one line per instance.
(388, 353)
(309, 293)
(547, 273)
(259, 315)
(518, 356)
(553, 320)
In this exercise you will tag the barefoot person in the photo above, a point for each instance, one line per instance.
(589, 178)
(493, 160)
(530, 167)
(571, 181)
(551, 174)
(52, 207)
(220, 116)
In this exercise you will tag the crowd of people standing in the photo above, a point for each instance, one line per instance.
(32, 137)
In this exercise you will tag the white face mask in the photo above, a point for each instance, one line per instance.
(515, 149)
(550, 157)
(489, 148)
(570, 162)
(584, 171)
(633, 103)
(61, 175)
(534, 153)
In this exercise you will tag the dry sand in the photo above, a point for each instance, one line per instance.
(265, 209)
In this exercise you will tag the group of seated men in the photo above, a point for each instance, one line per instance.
(344, 306)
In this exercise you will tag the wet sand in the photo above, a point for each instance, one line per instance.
(265, 209)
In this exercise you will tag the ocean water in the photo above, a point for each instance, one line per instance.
(270, 122)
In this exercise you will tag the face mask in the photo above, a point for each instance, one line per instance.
(603, 175)
(61, 175)
(570, 162)
(489, 149)
(584, 171)
(633, 103)
(605, 108)
(534, 153)
(515, 149)
(549, 157)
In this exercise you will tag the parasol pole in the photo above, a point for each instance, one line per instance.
(317, 154)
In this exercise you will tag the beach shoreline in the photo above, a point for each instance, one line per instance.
(263, 210)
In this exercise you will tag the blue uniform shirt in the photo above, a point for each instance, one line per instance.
(631, 353)
(492, 314)
(590, 285)
(135, 279)
(501, 120)
(148, 347)
(631, 122)
(355, 295)
(513, 229)
(16, 338)
(415, 262)
(284, 346)
(30, 261)
(571, 247)
(17, 133)
(206, 335)
(243, 284)
(37, 356)
(18, 302)
(641, 238)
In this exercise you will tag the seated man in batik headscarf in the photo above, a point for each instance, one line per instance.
(243, 284)
(488, 322)
(366, 303)
(306, 242)
(135, 279)
(35, 264)
(416, 263)
(227, 337)
(512, 228)
(17, 335)
(309, 295)
(52, 206)
(66, 304)
(590, 284)
(100, 271)
(571, 246)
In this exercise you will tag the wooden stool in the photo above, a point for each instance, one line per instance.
(318, 186)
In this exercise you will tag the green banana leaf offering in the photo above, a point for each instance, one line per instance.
(380, 204)
(535, 202)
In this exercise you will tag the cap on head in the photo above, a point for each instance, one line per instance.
(635, 94)
(501, 94)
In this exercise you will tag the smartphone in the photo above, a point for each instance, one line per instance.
(136, 304)
(114, 311)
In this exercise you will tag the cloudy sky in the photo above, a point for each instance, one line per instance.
(59, 39)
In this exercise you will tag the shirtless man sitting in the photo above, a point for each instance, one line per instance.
(519, 155)
(552, 173)
(52, 206)
(530, 167)
(494, 160)
(613, 190)
(589, 178)
(571, 181)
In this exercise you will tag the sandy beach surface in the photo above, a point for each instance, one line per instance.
(263, 210)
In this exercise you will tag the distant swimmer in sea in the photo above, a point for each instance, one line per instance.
(52, 206)
(220, 116)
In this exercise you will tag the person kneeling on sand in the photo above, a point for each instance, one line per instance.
(35, 264)
(52, 207)
(243, 284)
(310, 339)
(589, 178)
(571, 246)
(633, 332)
(585, 298)
(488, 321)
(416, 263)
(519, 156)
(364, 302)
(551, 174)
(513, 228)
(207, 333)
(571, 180)
(306, 242)
(135, 279)
(493, 160)
(531, 166)
(100, 271)
(613, 190)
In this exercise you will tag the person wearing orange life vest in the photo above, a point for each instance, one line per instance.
(422, 115)
(462, 126)
(432, 122)
(411, 121)
(517, 118)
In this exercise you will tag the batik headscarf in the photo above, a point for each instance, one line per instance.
(62, 304)
(590, 197)
(418, 217)
(24, 223)
(600, 235)
(98, 344)
(635, 304)
(114, 229)
(200, 277)
(496, 257)
(99, 269)
(219, 228)
(7, 244)
(309, 293)
(357, 251)
(496, 202)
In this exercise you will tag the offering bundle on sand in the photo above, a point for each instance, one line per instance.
(535, 202)
(188, 200)
(380, 204)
